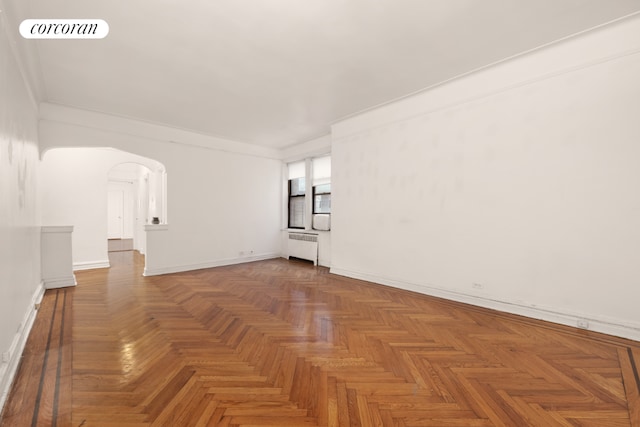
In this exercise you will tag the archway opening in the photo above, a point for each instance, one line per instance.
(135, 198)
(77, 185)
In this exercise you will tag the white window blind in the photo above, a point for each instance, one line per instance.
(321, 170)
(296, 170)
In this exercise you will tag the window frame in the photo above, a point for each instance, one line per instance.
(323, 193)
(309, 194)
(293, 197)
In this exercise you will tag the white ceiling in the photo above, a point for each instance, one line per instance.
(279, 72)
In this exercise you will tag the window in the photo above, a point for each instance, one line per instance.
(322, 199)
(297, 192)
(317, 185)
(322, 185)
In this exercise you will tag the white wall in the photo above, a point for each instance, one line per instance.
(522, 179)
(222, 207)
(19, 210)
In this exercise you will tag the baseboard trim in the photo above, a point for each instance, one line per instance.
(209, 264)
(9, 369)
(90, 265)
(615, 327)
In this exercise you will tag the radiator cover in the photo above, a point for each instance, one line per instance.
(303, 246)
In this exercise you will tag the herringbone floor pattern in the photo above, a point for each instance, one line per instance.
(279, 343)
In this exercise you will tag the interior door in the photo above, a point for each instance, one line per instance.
(115, 214)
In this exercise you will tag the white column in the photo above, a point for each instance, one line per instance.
(156, 240)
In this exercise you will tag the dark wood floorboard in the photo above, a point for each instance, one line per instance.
(283, 343)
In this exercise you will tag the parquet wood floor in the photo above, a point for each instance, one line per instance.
(279, 343)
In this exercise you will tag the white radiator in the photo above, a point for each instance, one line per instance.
(303, 246)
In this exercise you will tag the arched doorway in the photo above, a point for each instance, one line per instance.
(135, 197)
(128, 206)
(76, 187)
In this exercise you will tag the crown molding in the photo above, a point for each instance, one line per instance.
(139, 130)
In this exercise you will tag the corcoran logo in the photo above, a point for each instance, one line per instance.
(64, 29)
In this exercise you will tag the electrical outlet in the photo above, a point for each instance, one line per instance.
(478, 286)
(583, 324)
